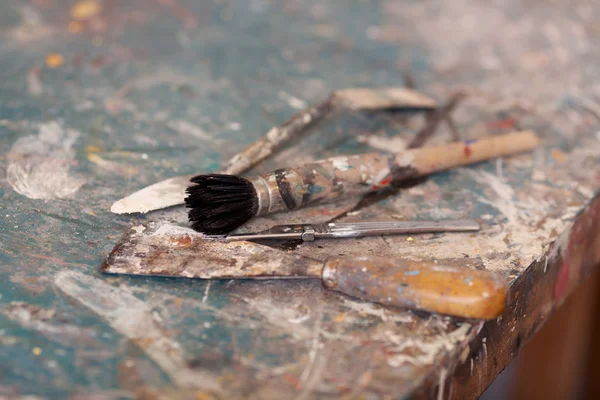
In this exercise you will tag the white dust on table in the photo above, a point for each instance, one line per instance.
(135, 320)
(519, 232)
(428, 347)
(31, 28)
(170, 230)
(366, 308)
(48, 323)
(40, 165)
(189, 129)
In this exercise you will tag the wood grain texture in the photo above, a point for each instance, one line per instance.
(455, 291)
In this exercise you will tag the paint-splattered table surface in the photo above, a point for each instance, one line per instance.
(99, 98)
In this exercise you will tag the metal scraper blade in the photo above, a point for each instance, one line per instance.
(163, 249)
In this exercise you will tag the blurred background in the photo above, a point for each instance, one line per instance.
(561, 362)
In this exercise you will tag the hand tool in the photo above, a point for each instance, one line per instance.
(169, 250)
(171, 192)
(339, 230)
(220, 203)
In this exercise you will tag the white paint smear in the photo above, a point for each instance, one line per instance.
(40, 165)
(293, 101)
(393, 144)
(189, 129)
(428, 348)
(340, 163)
(134, 319)
(503, 200)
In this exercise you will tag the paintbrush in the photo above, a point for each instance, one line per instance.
(168, 250)
(220, 203)
(171, 192)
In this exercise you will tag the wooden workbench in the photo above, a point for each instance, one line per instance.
(98, 99)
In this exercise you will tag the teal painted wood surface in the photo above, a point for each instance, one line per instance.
(98, 99)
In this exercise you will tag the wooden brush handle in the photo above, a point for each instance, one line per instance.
(356, 175)
(428, 160)
(456, 291)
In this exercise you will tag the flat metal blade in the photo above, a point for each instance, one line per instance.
(361, 229)
(164, 249)
(167, 193)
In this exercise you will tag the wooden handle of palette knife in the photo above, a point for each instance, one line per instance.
(457, 291)
(356, 175)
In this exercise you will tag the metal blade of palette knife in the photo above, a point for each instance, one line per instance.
(163, 249)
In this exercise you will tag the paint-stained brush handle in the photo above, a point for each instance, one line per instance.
(357, 175)
(456, 291)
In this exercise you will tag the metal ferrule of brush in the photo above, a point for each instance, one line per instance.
(272, 196)
(322, 181)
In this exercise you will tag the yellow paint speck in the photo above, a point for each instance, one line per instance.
(94, 149)
(85, 9)
(340, 317)
(54, 60)
(16, 226)
(36, 351)
(409, 239)
(203, 396)
(75, 26)
(558, 155)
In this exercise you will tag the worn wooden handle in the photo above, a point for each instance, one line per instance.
(456, 291)
(357, 175)
(428, 160)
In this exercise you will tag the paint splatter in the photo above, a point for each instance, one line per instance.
(507, 123)
(293, 101)
(34, 83)
(75, 27)
(134, 319)
(54, 60)
(467, 151)
(40, 165)
(85, 9)
(558, 155)
(112, 166)
(189, 129)
(49, 323)
(341, 163)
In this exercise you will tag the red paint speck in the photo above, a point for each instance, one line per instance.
(507, 123)
(467, 151)
(386, 181)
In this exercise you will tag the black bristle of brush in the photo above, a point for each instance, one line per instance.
(220, 203)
